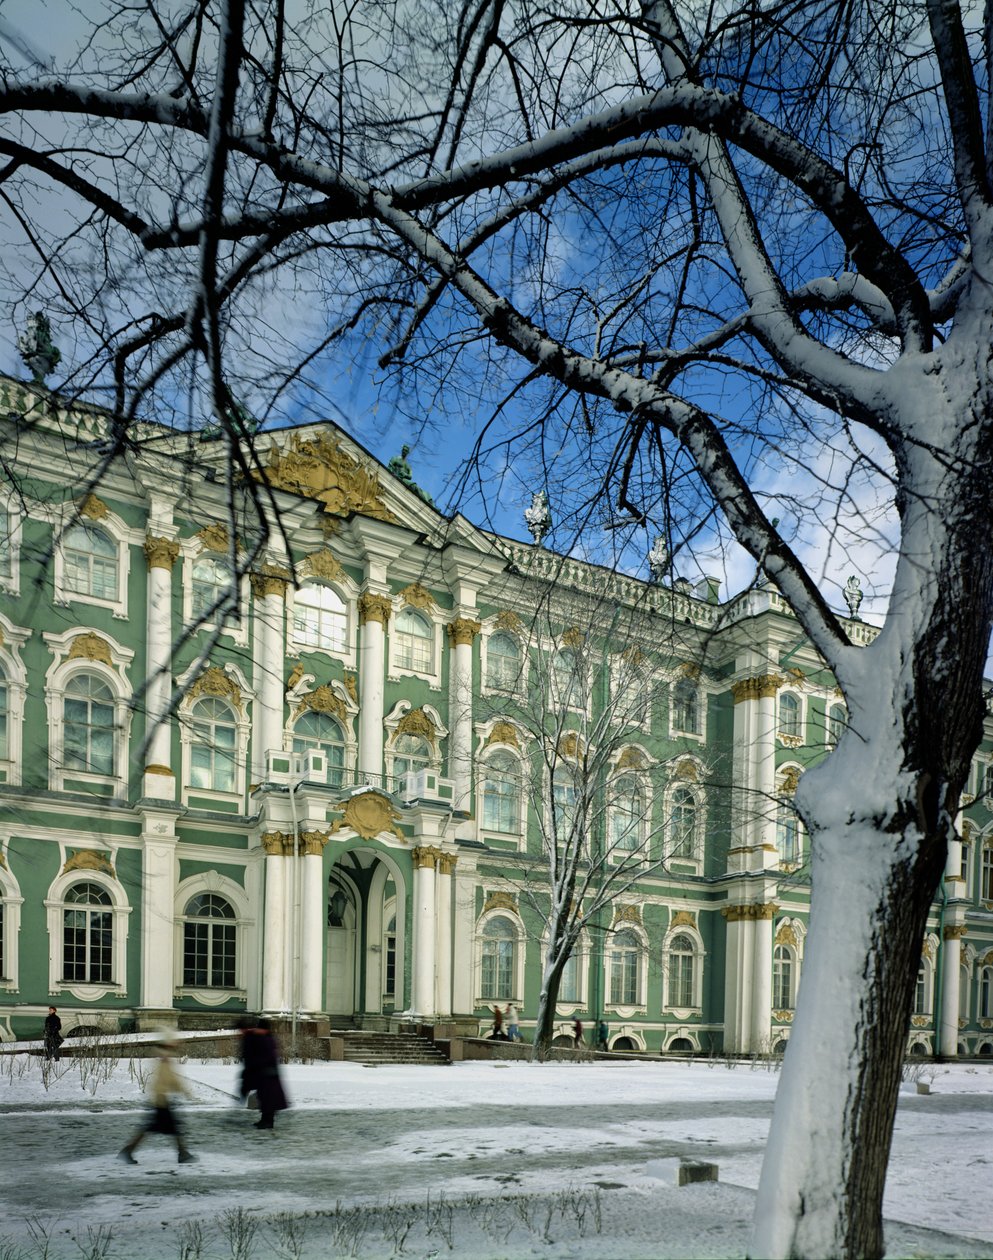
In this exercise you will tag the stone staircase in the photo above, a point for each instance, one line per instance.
(373, 1048)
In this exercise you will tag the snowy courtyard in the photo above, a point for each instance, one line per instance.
(478, 1159)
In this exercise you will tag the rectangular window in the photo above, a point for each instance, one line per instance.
(680, 980)
(624, 978)
(986, 878)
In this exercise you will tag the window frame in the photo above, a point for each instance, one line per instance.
(10, 581)
(344, 649)
(511, 774)
(516, 961)
(15, 679)
(11, 902)
(696, 954)
(400, 670)
(236, 630)
(210, 883)
(120, 911)
(114, 529)
(490, 687)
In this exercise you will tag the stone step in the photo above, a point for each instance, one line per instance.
(376, 1048)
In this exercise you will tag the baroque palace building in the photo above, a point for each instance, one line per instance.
(309, 800)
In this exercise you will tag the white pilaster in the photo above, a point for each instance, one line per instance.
(159, 779)
(461, 633)
(312, 925)
(158, 911)
(424, 932)
(762, 983)
(443, 938)
(275, 960)
(374, 613)
(464, 894)
(269, 588)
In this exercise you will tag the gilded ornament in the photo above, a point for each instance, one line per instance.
(417, 722)
(783, 1017)
(631, 759)
(683, 918)
(573, 638)
(368, 814)
(317, 468)
(790, 741)
(955, 931)
(296, 673)
(375, 608)
(215, 683)
(928, 950)
(569, 746)
(3, 861)
(447, 863)
(277, 844)
(93, 508)
(627, 914)
(749, 913)
(88, 860)
(987, 961)
(270, 579)
(687, 770)
(90, 647)
(312, 843)
(425, 856)
(503, 733)
(497, 900)
(508, 620)
(161, 553)
(153, 769)
(323, 700)
(690, 670)
(785, 934)
(633, 656)
(417, 596)
(462, 631)
(323, 565)
(763, 688)
(920, 1021)
(351, 682)
(214, 537)
(790, 780)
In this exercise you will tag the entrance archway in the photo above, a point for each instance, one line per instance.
(366, 935)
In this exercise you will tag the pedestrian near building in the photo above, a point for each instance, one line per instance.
(602, 1033)
(577, 1033)
(260, 1071)
(497, 1034)
(53, 1035)
(513, 1023)
(165, 1085)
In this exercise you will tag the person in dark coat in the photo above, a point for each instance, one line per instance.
(53, 1035)
(577, 1034)
(260, 1071)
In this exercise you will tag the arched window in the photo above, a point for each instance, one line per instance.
(4, 716)
(986, 993)
(986, 873)
(564, 804)
(320, 618)
(789, 715)
(501, 793)
(963, 992)
(680, 961)
(322, 732)
(209, 943)
(782, 978)
(390, 961)
(212, 746)
(685, 707)
(210, 587)
(569, 980)
(413, 642)
(498, 959)
(410, 754)
(787, 833)
(87, 935)
(90, 562)
(837, 721)
(566, 683)
(627, 813)
(503, 663)
(682, 824)
(625, 968)
(88, 725)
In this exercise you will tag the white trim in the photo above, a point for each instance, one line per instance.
(489, 631)
(10, 584)
(699, 954)
(520, 946)
(236, 631)
(348, 593)
(67, 517)
(434, 618)
(56, 906)
(243, 922)
(13, 639)
(10, 894)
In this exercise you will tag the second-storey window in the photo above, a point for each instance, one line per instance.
(90, 562)
(212, 748)
(501, 793)
(413, 642)
(320, 731)
(320, 618)
(88, 730)
(503, 663)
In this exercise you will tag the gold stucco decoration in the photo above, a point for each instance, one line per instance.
(573, 638)
(987, 960)
(312, 843)
(569, 746)
(277, 843)
(631, 759)
(687, 770)
(783, 1017)
(790, 781)
(425, 856)
(498, 900)
(323, 565)
(375, 608)
(156, 769)
(214, 537)
(503, 733)
(462, 631)
(508, 620)
(296, 673)
(161, 553)
(417, 596)
(323, 700)
(688, 669)
(762, 688)
(928, 951)
(683, 918)
(786, 934)
(955, 931)
(215, 683)
(270, 579)
(627, 914)
(90, 647)
(920, 1021)
(3, 861)
(368, 814)
(88, 860)
(447, 863)
(317, 468)
(351, 682)
(93, 508)
(417, 722)
(739, 914)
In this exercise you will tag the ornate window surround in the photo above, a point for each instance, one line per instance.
(232, 892)
(322, 569)
(418, 600)
(10, 894)
(624, 1010)
(520, 946)
(193, 550)
(785, 738)
(94, 514)
(56, 906)
(335, 700)
(12, 639)
(691, 673)
(681, 779)
(83, 651)
(680, 926)
(582, 954)
(230, 685)
(492, 627)
(397, 720)
(10, 583)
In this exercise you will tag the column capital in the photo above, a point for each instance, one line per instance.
(447, 862)
(425, 855)
(374, 607)
(954, 931)
(754, 911)
(277, 844)
(312, 843)
(270, 579)
(161, 553)
(462, 631)
(761, 688)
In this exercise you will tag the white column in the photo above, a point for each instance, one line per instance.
(159, 778)
(158, 912)
(424, 931)
(737, 982)
(312, 923)
(764, 752)
(951, 953)
(374, 613)
(275, 990)
(269, 588)
(461, 633)
(443, 937)
(463, 946)
(762, 981)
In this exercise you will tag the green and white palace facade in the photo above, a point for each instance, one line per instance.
(307, 800)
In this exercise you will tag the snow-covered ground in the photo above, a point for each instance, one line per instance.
(485, 1160)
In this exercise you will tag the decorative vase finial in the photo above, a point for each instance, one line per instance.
(37, 349)
(853, 597)
(538, 517)
(658, 559)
